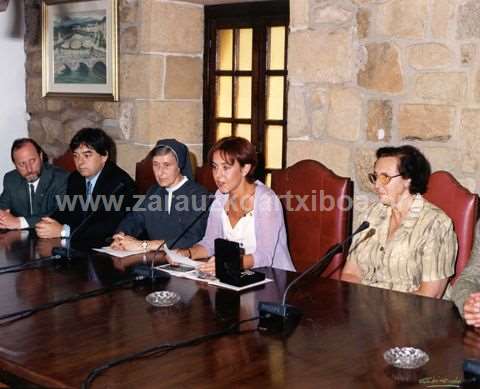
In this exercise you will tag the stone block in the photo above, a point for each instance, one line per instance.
(429, 56)
(402, 18)
(364, 160)
(54, 104)
(297, 111)
(53, 130)
(334, 156)
(141, 76)
(129, 39)
(33, 65)
(127, 119)
(443, 158)
(449, 87)
(319, 122)
(35, 102)
(168, 119)
(299, 14)
(469, 134)
(468, 52)
(85, 104)
(426, 121)
(379, 120)
(469, 183)
(363, 22)
(442, 17)
(196, 154)
(321, 56)
(74, 125)
(172, 27)
(128, 154)
(184, 78)
(331, 14)
(109, 110)
(71, 114)
(468, 20)
(476, 87)
(36, 131)
(345, 114)
(382, 72)
(128, 11)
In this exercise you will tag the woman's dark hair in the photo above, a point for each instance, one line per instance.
(96, 139)
(19, 143)
(234, 148)
(411, 164)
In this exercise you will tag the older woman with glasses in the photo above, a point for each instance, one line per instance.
(410, 246)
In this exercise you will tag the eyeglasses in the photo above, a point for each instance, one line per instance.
(382, 178)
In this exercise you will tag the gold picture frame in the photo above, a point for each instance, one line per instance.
(80, 48)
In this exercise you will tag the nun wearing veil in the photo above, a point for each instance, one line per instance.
(168, 207)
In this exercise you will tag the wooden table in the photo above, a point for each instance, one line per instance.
(339, 343)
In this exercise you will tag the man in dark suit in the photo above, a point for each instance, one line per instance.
(29, 191)
(98, 186)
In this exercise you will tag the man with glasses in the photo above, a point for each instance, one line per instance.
(411, 246)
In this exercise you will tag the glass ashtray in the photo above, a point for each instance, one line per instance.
(406, 357)
(162, 298)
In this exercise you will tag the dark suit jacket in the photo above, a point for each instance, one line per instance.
(151, 215)
(15, 195)
(112, 184)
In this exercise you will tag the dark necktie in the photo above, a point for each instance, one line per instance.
(32, 196)
(89, 189)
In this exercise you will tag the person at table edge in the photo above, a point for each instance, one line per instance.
(413, 246)
(30, 190)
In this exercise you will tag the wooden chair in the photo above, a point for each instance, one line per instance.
(144, 177)
(328, 219)
(461, 206)
(65, 161)
(203, 175)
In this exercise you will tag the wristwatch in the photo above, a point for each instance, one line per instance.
(145, 245)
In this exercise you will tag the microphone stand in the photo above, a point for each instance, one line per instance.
(282, 317)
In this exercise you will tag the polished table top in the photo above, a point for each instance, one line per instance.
(339, 342)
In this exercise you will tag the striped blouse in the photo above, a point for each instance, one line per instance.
(423, 248)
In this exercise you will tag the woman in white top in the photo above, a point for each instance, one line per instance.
(244, 211)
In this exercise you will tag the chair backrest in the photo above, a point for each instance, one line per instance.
(328, 219)
(203, 175)
(461, 206)
(144, 177)
(65, 161)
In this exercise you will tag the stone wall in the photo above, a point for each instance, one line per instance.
(160, 78)
(366, 73)
(362, 74)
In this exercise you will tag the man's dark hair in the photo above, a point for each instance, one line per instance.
(96, 139)
(20, 142)
(411, 164)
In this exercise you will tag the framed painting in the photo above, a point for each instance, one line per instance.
(80, 48)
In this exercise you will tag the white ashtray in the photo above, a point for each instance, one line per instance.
(406, 357)
(162, 298)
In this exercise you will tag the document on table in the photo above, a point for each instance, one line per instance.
(118, 253)
(180, 259)
(183, 271)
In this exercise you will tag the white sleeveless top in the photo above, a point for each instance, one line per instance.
(243, 232)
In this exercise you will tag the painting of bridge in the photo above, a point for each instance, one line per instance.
(80, 48)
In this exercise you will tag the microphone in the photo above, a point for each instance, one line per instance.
(283, 318)
(66, 252)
